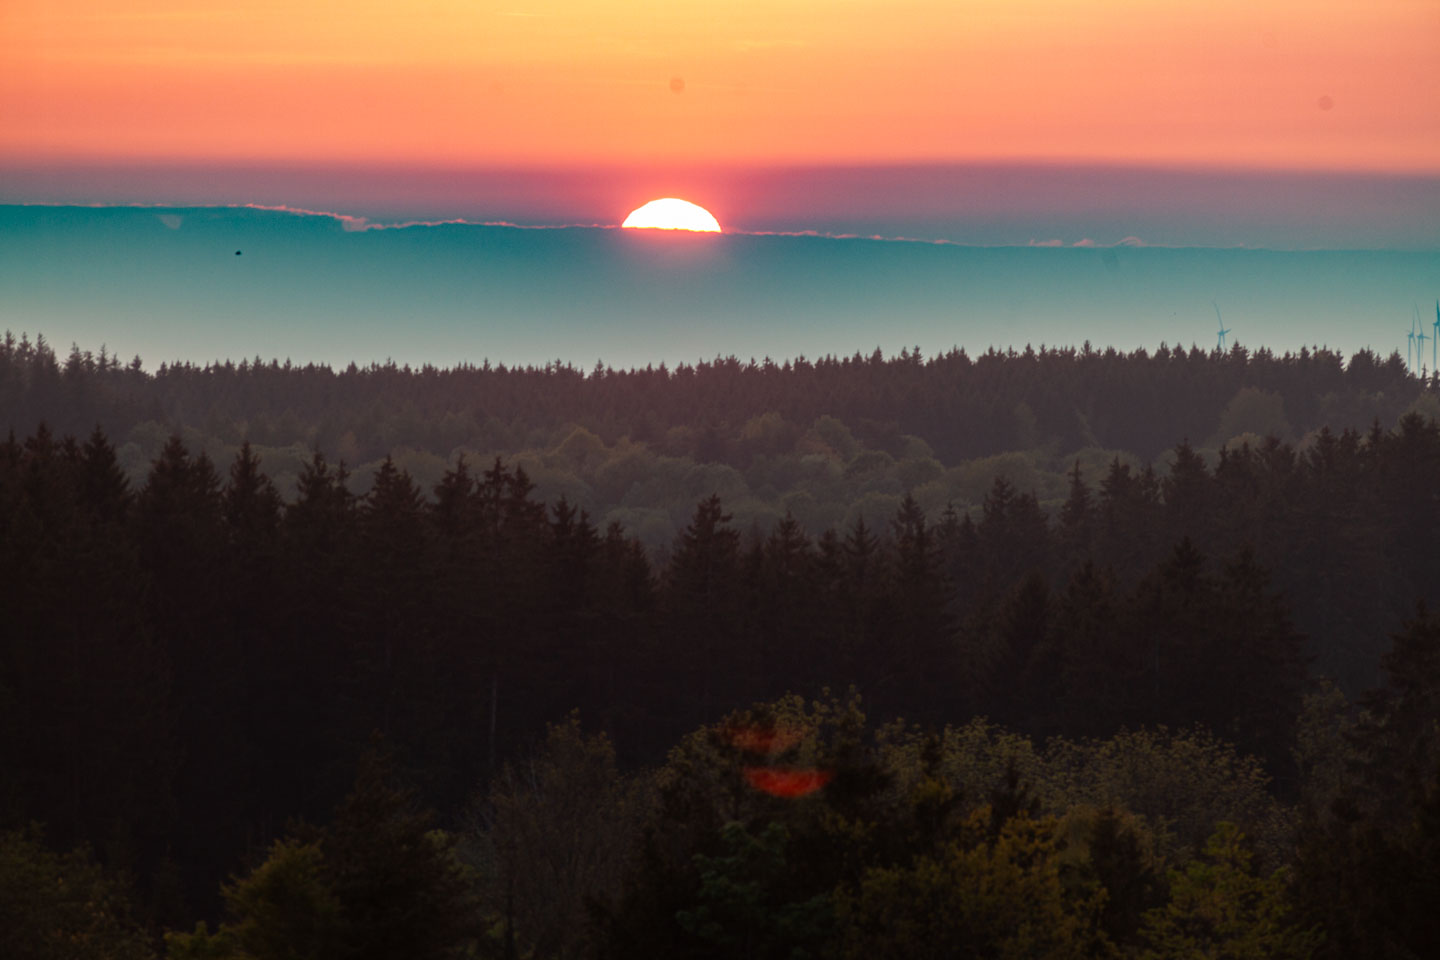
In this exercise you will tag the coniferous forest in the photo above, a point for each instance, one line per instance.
(1058, 653)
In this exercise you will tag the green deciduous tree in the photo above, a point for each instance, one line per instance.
(555, 838)
(984, 895)
(286, 909)
(62, 906)
(744, 908)
(374, 884)
(1220, 908)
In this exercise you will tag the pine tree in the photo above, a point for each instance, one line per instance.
(785, 612)
(252, 510)
(393, 575)
(573, 546)
(1013, 536)
(923, 650)
(103, 488)
(1399, 733)
(1100, 665)
(1128, 512)
(1187, 495)
(1024, 671)
(1174, 606)
(86, 723)
(317, 573)
(700, 596)
(1260, 664)
(1077, 519)
(401, 888)
(450, 508)
(319, 526)
(376, 883)
(251, 503)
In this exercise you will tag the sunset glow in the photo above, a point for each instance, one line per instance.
(1288, 84)
(672, 214)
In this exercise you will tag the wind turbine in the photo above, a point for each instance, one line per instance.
(1420, 338)
(1410, 343)
(1435, 342)
(1220, 342)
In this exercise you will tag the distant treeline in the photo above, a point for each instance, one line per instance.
(963, 407)
(825, 441)
(189, 664)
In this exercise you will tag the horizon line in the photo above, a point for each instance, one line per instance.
(9, 339)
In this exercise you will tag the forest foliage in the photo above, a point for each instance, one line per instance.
(1161, 713)
(824, 440)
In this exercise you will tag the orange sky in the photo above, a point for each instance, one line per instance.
(1195, 82)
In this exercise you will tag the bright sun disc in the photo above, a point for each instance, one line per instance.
(672, 214)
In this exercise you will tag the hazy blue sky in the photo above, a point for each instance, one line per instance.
(1294, 125)
(166, 283)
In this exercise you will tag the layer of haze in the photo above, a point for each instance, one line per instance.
(982, 204)
(1287, 84)
(166, 283)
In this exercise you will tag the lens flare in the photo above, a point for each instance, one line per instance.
(781, 782)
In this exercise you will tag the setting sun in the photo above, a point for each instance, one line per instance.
(672, 214)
